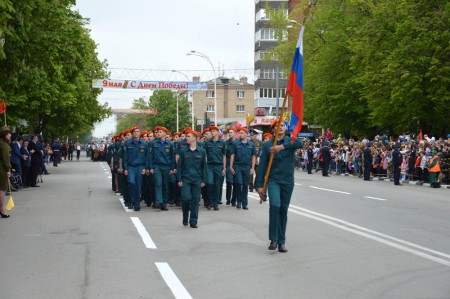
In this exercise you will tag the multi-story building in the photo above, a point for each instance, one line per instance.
(235, 99)
(269, 75)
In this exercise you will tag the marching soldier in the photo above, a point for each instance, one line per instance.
(231, 192)
(242, 164)
(122, 177)
(135, 159)
(191, 173)
(280, 184)
(216, 158)
(161, 164)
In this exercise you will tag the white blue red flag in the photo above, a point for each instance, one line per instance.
(295, 89)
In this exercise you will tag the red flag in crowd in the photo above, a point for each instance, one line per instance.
(420, 136)
(3, 107)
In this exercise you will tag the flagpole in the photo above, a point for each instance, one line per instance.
(275, 139)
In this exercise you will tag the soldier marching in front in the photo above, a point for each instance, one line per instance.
(192, 175)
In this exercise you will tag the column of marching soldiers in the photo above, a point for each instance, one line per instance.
(161, 169)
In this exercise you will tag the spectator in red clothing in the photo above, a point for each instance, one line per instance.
(329, 134)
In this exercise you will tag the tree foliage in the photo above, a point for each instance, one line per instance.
(130, 120)
(165, 102)
(376, 65)
(48, 61)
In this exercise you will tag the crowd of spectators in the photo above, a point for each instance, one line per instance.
(348, 156)
(30, 157)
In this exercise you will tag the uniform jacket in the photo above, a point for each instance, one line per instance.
(191, 166)
(282, 170)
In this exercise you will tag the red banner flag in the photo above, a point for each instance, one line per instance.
(3, 107)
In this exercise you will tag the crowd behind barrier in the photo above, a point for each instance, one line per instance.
(348, 157)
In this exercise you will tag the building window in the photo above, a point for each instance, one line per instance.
(271, 93)
(210, 94)
(210, 108)
(268, 34)
(240, 108)
(240, 94)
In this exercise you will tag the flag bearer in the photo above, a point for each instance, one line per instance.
(135, 157)
(280, 184)
(215, 153)
(191, 174)
(242, 164)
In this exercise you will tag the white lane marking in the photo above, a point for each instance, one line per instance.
(172, 281)
(329, 190)
(110, 177)
(143, 233)
(354, 229)
(380, 240)
(371, 231)
(376, 198)
(297, 184)
(125, 207)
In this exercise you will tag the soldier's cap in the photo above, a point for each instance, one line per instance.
(134, 128)
(192, 132)
(177, 134)
(231, 129)
(187, 129)
(5, 129)
(163, 129)
(274, 123)
(215, 128)
(243, 129)
(144, 133)
(124, 132)
(206, 130)
(267, 135)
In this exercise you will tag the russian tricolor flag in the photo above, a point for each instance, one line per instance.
(295, 89)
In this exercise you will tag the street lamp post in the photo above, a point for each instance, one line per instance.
(192, 104)
(200, 54)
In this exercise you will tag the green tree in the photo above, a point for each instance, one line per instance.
(372, 65)
(48, 65)
(130, 120)
(164, 101)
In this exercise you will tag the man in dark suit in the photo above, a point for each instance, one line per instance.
(15, 154)
(326, 159)
(397, 163)
(367, 161)
(36, 156)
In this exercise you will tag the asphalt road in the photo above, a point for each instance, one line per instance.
(72, 238)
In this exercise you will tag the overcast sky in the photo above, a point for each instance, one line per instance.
(156, 35)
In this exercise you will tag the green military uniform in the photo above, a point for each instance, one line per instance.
(215, 151)
(280, 184)
(5, 164)
(231, 188)
(191, 171)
